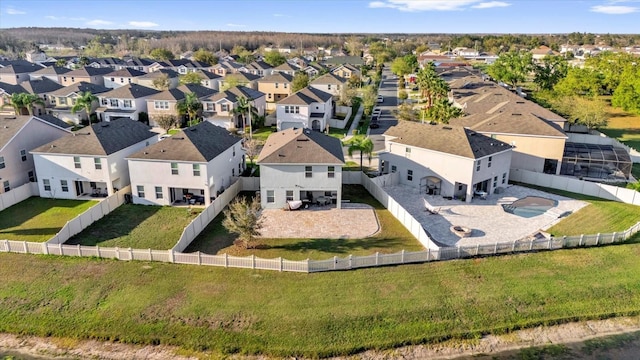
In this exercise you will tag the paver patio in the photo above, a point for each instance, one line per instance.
(489, 222)
(353, 221)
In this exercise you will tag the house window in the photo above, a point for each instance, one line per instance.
(76, 162)
(98, 163)
(234, 151)
(284, 85)
(113, 102)
(158, 192)
(289, 195)
(308, 171)
(337, 87)
(2, 165)
(504, 178)
(161, 105)
(269, 96)
(122, 80)
(23, 155)
(174, 168)
(489, 164)
(196, 169)
(270, 197)
(286, 109)
(410, 175)
(224, 107)
(113, 79)
(63, 101)
(64, 185)
(495, 181)
(140, 189)
(47, 184)
(6, 186)
(328, 86)
(32, 176)
(394, 168)
(127, 103)
(407, 152)
(104, 102)
(478, 165)
(331, 171)
(209, 107)
(233, 172)
(296, 109)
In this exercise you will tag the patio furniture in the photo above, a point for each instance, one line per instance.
(294, 204)
(481, 194)
(430, 208)
(323, 200)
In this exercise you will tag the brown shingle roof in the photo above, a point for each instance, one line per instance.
(329, 78)
(100, 139)
(277, 77)
(301, 146)
(130, 91)
(80, 87)
(306, 96)
(454, 140)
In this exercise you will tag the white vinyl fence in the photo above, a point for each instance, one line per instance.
(596, 137)
(589, 188)
(18, 194)
(335, 263)
(94, 213)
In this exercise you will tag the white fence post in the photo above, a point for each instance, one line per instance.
(598, 239)
(150, 255)
(45, 248)
(130, 254)
(79, 250)
(26, 248)
(98, 251)
(402, 256)
(281, 263)
(350, 261)
(199, 258)
(377, 258)
(226, 260)
(613, 237)
(581, 238)
(335, 262)
(253, 261)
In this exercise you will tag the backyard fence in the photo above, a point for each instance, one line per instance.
(201, 221)
(18, 194)
(91, 215)
(596, 137)
(574, 185)
(333, 264)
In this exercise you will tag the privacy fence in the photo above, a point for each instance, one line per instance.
(18, 194)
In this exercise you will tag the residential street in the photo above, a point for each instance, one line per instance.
(389, 90)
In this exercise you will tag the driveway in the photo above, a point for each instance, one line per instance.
(489, 222)
(353, 221)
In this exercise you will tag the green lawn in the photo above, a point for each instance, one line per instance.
(38, 219)
(600, 216)
(393, 238)
(623, 126)
(233, 311)
(263, 133)
(173, 131)
(636, 171)
(138, 227)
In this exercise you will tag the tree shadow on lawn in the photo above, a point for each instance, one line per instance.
(119, 223)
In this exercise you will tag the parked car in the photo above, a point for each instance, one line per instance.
(380, 99)
(374, 124)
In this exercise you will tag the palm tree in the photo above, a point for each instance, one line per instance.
(362, 144)
(427, 79)
(244, 108)
(442, 111)
(189, 106)
(85, 102)
(19, 101)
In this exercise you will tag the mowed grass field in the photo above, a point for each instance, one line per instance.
(623, 126)
(38, 219)
(392, 238)
(227, 311)
(138, 227)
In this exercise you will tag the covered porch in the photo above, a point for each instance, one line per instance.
(190, 196)
(91, 190)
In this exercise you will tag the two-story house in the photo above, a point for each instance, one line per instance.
(124, 102)
(286, 68)
(303, 165)
(276, 86)
(308, 108)
(192, 166)
(60, 102)
(219, 108)
(239, 79)
(122, 77)
(346, 71)
(86, 74)
(52, 73)
(445, 160)
(150, 80)
(329, 83)
(140, 64)
(165, 102)
(18, 136)
(17, 72)
(91, 161)
(259, 68)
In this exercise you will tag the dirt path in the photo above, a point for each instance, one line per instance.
(494, 347)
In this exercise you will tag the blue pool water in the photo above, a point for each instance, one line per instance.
(530, 206)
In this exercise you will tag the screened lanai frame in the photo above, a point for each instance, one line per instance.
(596, 161)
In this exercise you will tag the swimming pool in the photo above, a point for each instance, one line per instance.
(530, 206)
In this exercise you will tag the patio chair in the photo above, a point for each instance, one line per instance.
(430, 208)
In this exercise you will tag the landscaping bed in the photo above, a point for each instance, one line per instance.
(38, 219)
(138, 227)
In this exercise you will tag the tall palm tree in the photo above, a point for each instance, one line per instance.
(243, 108)
(189, 106)
(85, 102)
(19, 101)
(362, 144)
(427, 82)
(443, 111)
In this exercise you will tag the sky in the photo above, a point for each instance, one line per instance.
(331, 16)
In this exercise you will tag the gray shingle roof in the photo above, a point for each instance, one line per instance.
(126, 72)
(51, 70)
(100, 139)
(89, 71)
(80, 87)
(54, 120)
(306, 96)
(20, 68)
(9, 127)
(329, 78)
(241, 77)
(180, 92)
(448, 139)
(286, 67)
(41, 86)
(199, 143)
(159, 73)
(12, 89)
(277, 77)
(232, 94)
(301, 146)
(130, 91)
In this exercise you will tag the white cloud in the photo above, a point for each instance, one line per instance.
(491, 4)
(614, 9)
(12, 11)
(143, 24)
(236, 25)
(98, 22)
(280, 15)
(423, 5)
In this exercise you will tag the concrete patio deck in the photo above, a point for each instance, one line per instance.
(489, 222)
(353, 221)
